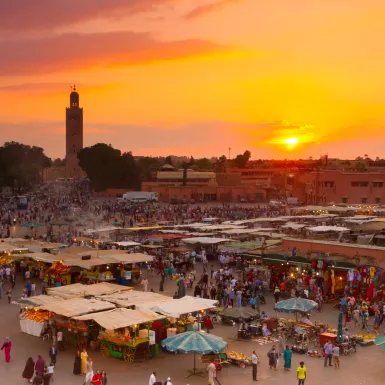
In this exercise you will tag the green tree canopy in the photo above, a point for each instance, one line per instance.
(204, 164)
(21, 165)
(147, 164)
(241, 160)
(107, 167)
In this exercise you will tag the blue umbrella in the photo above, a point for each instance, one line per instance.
(380, 341)
(296, 305)
(196, 342)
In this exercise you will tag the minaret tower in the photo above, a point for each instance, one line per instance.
(74, 135)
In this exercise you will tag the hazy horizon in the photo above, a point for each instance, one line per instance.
(193, 77)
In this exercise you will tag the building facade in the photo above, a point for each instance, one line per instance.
(74, 136)
(336, 186)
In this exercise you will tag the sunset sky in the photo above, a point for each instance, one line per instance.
(193, 77)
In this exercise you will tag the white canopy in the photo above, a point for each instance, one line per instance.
(80, 290)
(294, 226)
(178, 307)
(88, 264)
(37, 300)
(134, 298)
(322, 229)
(127, 244)
(77, 306)
(205, 240)
(121, 318)
(132, 258)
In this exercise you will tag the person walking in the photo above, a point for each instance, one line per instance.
(273, 358)
(212, 372)
(39, 366)
(254, 362)
(77, 364)
(29, 369)
(287, 358)
(152, 379)
(9, 295)
(7, 346)
(103, 375)
(328, 350)
(53, 354)
(301, 373)
(281, 344)
(83, 360)
(90, 372)
(336, 356)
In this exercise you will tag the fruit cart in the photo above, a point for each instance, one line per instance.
(239, 359)
(130, 350)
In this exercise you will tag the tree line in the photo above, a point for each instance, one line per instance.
(21, 166)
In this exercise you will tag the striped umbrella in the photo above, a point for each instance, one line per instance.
(196, 342)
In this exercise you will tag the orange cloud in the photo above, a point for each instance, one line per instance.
(30, 15)
(209, 8)
(75, 51)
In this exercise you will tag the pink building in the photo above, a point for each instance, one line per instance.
(319, 187)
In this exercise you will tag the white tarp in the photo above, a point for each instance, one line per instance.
(37, 300)
(79, 290)
(30, 327)
(77, 306)
(132, 258)
(126, 244)
(134, 298)
(88, 264)
(294, 226)
(323, 229)
(121, 318)
(178, 307)
(205, 240)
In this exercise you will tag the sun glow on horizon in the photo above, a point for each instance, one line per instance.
(291, 141)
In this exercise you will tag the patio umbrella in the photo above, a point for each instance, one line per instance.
(380, 341)
(196, 342)
(296, 305)
(239, 314)
(339, 332)
(32, 225)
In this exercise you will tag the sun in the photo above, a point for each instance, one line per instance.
(291, 141)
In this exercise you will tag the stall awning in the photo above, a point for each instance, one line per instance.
(88, 264)
(132, 258)
(179, 307)
(37, 300)
(275, 258)
(121, 318)
(206, 240)
(126, 244)
(340, 265)
(80, 290)
(134, 297)
(77, 306)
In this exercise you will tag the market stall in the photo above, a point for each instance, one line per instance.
(125, 332)
(76, 332)
(34, 321)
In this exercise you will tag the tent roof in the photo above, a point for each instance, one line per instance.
(89, 263)
(37, 300)
(77, 306)
(132, 258)
(134, 297)
(126, 244)
(178, 307)
(120, 318)
(80, 290)
(205, 240)
(324, 229)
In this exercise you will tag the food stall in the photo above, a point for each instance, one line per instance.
(33, 320)
(76, 332)
(125, 333)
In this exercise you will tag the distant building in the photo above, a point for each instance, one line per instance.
(74, 135)
(325, 186)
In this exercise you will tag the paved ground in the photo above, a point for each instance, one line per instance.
(364, 367)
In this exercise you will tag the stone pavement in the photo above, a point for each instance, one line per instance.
(364, 367)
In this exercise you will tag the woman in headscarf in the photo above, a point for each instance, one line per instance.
(7, 345)
(39, 366)
(83, 358)
(29, 369)
(77, 364)
(103, 375)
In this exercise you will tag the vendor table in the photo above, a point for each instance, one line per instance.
(324, 337)
(31, 327)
